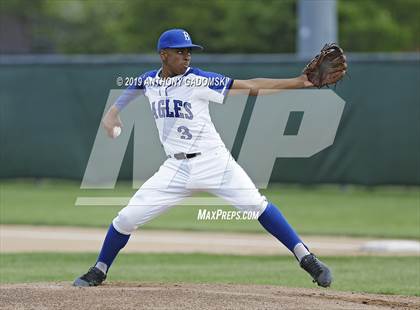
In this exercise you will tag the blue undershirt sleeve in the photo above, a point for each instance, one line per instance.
(128, 95)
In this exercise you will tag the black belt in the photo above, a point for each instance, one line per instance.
(183, 155)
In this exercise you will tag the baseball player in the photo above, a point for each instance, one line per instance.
(197, 159)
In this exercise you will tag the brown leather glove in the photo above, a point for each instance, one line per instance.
(328, 67)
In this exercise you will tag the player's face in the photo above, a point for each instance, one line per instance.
(176, 60)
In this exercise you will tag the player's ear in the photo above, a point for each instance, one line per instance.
(163, 55)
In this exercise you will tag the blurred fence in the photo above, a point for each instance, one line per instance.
(51, 106)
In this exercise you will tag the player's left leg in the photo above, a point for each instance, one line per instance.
(239, 190)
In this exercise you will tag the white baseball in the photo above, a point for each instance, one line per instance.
(116, 132)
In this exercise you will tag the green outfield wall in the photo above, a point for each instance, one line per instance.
(51, 106)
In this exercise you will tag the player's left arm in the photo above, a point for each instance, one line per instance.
(270, 85)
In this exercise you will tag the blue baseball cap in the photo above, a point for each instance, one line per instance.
(176, 38)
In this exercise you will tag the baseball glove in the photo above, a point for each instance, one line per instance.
(328, 67)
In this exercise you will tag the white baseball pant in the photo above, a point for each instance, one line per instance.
(215, 171)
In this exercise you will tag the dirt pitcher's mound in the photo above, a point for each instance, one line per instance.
(190, 296)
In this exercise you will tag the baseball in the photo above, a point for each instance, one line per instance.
(116, 132)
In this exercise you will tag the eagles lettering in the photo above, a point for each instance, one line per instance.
(171, 108)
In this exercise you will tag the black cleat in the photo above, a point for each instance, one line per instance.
(93, 277)
(320, 273)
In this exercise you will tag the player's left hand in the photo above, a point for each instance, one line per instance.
(305, 81)
(328, 67)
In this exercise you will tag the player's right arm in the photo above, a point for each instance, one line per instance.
(111, 118)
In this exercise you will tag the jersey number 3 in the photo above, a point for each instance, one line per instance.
(185, 133)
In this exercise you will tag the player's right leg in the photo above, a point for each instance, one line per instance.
(163, 190)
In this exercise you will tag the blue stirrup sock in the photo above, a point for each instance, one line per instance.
(113, 243)
(276, 224)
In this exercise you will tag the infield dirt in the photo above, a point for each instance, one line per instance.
(190, 296)
(117, 295)
(21, 238)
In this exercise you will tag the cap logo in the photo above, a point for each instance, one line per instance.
(187, 36)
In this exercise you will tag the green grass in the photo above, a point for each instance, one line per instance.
(385, 275)
(392, 212)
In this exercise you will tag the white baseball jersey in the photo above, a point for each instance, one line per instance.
(180, 106)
